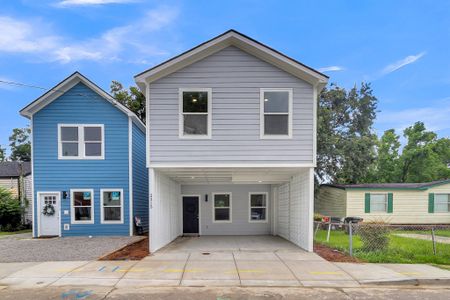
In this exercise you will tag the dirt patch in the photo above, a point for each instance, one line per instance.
(333, 254)
(135, 251)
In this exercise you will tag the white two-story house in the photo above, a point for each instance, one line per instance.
(231, 142)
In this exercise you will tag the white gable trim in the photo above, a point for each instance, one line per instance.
(66, 85)
(232, 38)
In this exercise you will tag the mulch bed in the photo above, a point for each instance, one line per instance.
(135, 251)
(333, 254)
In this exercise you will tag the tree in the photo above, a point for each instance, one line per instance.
(20, 144)
(345, 139)
(424, 157)
(2, 154)
(133, 99)
(387, 166)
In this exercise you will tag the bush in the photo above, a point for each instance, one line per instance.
(10, 211)
(374, 236)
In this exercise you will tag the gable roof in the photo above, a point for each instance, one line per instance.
(388, 186)
(65, 85)
(239, 40)
(14, 168)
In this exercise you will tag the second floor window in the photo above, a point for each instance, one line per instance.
(195, 113)
(80, 141)
(276, 113)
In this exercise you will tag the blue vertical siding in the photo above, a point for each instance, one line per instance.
(140, 177)
(81, 105)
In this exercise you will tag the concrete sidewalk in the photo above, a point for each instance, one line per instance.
(294, 269)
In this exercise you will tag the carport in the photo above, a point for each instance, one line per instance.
(245, 204)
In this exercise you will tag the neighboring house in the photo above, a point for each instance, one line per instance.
(396, 203)
(231, 145)
(16, 177)
(88, 162)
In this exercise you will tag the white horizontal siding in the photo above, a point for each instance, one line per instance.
(235, 78)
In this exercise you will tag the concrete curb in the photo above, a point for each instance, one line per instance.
(409, 281)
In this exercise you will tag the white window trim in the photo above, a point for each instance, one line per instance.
(434, 208)
(262, 113)
(214, 208)
(181, 114)
(72, 208)
(250, 207)
(81, 142)
(386, 197)
(102, 211)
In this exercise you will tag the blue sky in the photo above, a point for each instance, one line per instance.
(401, 47)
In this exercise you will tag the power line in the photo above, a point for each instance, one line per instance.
(20, 84)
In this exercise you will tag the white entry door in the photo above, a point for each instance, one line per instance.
(49, 223)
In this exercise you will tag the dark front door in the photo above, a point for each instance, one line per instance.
(190, 214)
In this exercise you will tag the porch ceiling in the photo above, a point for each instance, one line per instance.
(229, 175)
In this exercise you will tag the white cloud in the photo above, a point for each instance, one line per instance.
(66, 3)
(22, 36)
(434, 117)
(136, 41)
(331, 69)
(402, 63)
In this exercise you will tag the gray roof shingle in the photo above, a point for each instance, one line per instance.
(12, 168)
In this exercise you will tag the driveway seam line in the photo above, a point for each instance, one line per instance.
(184, 269)
(292, 272)
(125, 273)
(237, 269)
(346, 272)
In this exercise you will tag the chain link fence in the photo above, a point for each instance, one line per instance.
(381, 242)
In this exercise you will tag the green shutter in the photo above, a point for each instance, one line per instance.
(390, 207)
(431, 203)
(367, 203)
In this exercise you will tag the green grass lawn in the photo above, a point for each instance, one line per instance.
(2, 233)
(401, 249)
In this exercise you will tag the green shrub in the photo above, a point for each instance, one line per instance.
(10, 211)
(374, 236)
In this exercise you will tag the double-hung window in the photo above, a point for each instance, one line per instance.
(258, 207)
(222, 208)
(195, 113)
(81, 141)
(378, 202)
(442, 203)
(82, 206)
(112, 206)
(276, 113)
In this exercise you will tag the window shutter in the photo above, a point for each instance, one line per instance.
(431, 203)
(390, 207)
(367, 203)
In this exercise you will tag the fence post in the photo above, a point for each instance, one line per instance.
(434, 240)
(317, 229)
(329, 230)
(350, 237)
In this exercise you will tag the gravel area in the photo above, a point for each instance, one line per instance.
(23, 248)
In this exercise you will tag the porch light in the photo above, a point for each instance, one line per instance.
(265, 100)
(194, 100)
(259, 181)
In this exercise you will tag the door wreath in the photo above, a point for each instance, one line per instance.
(48, 210)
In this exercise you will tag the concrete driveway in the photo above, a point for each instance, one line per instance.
(23, 248)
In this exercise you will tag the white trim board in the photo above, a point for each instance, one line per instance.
(38, 204)
(199, 212)
(66, 85)
(230, 207)
(122, 204)
(72, 209)
(130, 175)
(232, 38)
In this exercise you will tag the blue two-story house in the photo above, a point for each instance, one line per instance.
(88, 162)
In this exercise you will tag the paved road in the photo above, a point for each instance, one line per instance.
(200, 293)
(23, 248)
